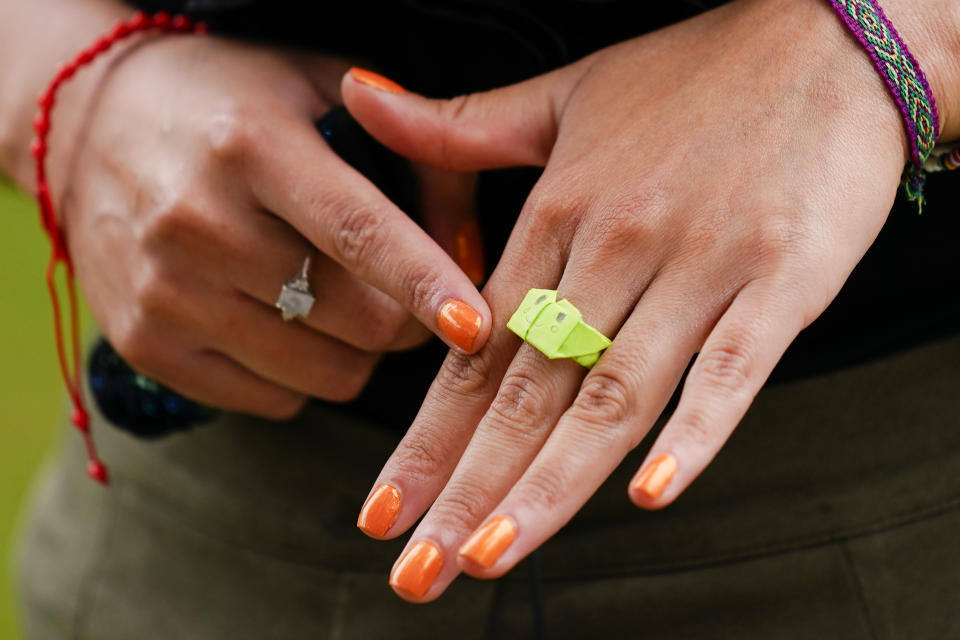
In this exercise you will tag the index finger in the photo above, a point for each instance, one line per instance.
(298, 177)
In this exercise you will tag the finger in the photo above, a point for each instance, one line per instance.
(732, 366)
(460, 394)
(295, 175)
(532, 396)
(214, 379)
(614, 407)
(512, 126)
(288, 354)
(269, 253)
(447, 203)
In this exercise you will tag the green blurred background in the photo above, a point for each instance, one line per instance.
(31, 401)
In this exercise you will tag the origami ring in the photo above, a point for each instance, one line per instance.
(556, 328)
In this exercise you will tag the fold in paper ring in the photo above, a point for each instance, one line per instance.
(556, 328)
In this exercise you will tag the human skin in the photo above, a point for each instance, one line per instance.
(707, 190)
(192, 184)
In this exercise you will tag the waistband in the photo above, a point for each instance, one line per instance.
(818, 459)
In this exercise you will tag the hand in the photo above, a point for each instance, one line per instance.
(198, 187)
(707, 188)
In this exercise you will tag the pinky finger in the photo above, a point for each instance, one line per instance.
(215, 379)
(734, 363)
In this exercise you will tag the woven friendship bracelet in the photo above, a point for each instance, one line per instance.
(907, 83)
(556, 328)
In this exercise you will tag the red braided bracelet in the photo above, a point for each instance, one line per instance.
(72, 377)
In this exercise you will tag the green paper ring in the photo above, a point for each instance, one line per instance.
(556, 328)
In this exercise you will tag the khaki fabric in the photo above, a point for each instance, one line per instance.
(833, 512)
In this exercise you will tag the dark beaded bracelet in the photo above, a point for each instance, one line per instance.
(136, 404)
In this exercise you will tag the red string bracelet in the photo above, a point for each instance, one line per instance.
(72, 376)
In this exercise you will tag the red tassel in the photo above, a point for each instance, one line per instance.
(98, 472)
(72, 376)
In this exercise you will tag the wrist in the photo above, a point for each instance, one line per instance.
(931, 29)
(31, 34)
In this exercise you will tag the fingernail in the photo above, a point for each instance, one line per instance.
(380, 511)
(470, 250)
(375, 80)
(654, 479)
(489, 542)
(460, 323)
(418, 568)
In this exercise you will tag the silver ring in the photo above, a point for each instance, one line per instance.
(296, 298)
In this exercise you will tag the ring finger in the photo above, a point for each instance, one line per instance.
(345, 307)
(288, 354)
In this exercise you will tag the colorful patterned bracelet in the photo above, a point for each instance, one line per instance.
(905, 79)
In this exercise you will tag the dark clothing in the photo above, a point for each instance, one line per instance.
(903, 293)
(832, 513)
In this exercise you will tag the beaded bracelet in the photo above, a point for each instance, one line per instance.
(907, 84)
(60, 254)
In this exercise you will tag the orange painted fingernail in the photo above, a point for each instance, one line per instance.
(460, 323)
(654, 479)
(469, 245)
(375, 80)
(489, 542)
(380, 511)
(418, 568)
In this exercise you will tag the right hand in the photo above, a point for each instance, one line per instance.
(197, 188)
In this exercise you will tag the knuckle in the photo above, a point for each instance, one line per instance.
(352, 379)
(629, 220)
(176, 221)
(136, 344)
(465, 375)
(694, 429)
(605, 398)
(358, 238)
(154, 295)
(231, 132)
(703, 239)
(460, 505)
(726, 366)
(283, 408)
(775, 235)
(520, 404)
(379, 319)
(781, 238)
(546, 486)
(553, 209)
(420, 455)
(384, 331)
(421, 284)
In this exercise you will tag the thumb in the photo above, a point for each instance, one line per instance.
(512, 126)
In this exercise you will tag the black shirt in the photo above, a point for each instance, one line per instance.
(905, 291)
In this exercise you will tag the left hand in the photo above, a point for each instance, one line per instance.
(707, 188)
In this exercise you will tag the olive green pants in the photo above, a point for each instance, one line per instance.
(833, 512)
